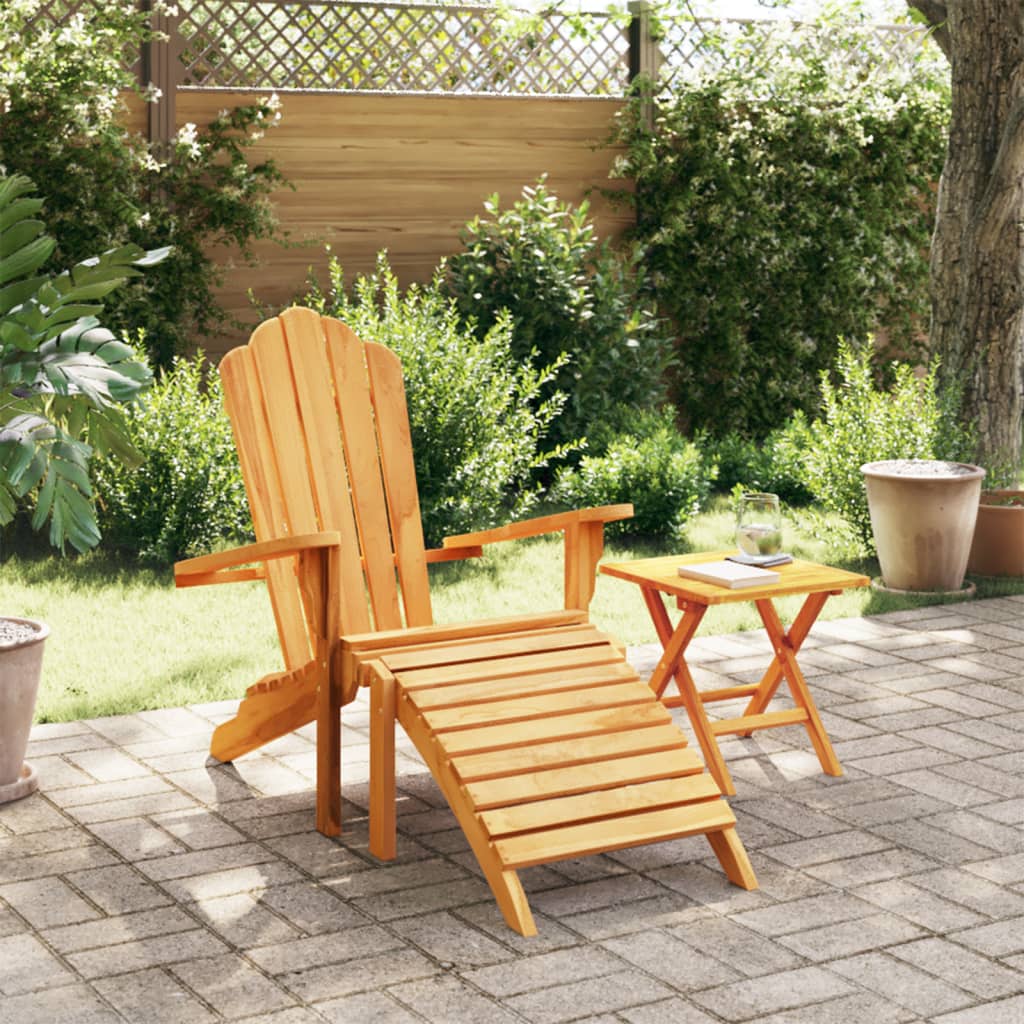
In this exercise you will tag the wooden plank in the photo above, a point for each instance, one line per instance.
(768, 720)
(307, 353)
(600, 805)
(562, 753)
(542, 525)
(585, 778)
(387, 392)
(352, 398)
(527, 706)
(545, 682)
(486, 648)
(546, 661)
(563, 727)
(244, 403)
(524, 851)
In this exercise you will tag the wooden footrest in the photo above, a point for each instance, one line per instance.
(548, 745)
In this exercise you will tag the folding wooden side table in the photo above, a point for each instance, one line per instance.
(658, 576)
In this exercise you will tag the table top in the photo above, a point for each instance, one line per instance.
(798, 577)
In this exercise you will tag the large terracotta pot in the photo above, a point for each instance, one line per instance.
(922, 515)
(998, 547)
(21, 659)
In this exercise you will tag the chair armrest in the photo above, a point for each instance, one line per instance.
(222, 566)
(540, 525)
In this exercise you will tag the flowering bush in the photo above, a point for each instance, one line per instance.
(61, 122)
(783, 199)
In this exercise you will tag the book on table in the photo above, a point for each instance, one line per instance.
(729, 574)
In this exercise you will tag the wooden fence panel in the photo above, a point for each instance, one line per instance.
(404, 172)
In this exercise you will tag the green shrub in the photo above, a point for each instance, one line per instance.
(783, 200)
(62, 122)
(476, 414)
(188, 496)
(775, 464)
(862, 423)
(540, 260)
(665, 477)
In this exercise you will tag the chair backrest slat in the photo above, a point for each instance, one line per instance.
(323, 437)
(395, 441)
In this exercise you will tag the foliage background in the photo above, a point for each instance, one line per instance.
(782, 200)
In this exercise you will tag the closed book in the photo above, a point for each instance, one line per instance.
(729, 574)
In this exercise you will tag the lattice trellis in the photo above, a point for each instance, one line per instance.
(691, 48)
(323, 44)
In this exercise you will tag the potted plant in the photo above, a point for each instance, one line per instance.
(62, 379)
(922, 517)
(998, 545)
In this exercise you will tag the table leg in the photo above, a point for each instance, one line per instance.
(785, 665)
(802, 624)
(673, 663)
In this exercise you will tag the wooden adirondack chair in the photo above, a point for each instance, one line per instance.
(542, 738)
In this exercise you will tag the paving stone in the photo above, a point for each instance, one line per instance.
(394, 878)
(798, 915)
(33, 814)
(298, 954)
(807, 852)
(26, 965)
(916, 905)
(903, 761)
(184, 865)
(58, 745)
(790, 815)
(961, 967)
(9, 924)
(136, 839)
(447, 1000)
(449, 939)
(972, 891)
(47, 903)
(754, 998)
(829, 942)
(423, 899)
(56, 773)
(114, 809)
(118, 889)
(367, 974)
(113, 931)
(1004, 870)
(231, 986)
(898, 808)
(599, 995)
(852, 1009)
(577, 899)
(199, 829)
(979, 830)
(1002, 1011)
(108, 764)
(69, 1004)
(1010, 812)
(20, 869)
(254, 878)
(213, 786)
(660, 911)
(872, 867)
(140, 954)
(939, 843)
(998, 939)
(902, 984)
(995, 780)
(560, 967)
(666, 1011)
(109, 792)
(671, 961)
(312, 908)
(152, 997)
(941, 787)
(743, 949)
(378, 1007)
(550, 933)
(318, 855)
(243, 921)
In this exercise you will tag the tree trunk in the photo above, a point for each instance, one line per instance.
(977, 258)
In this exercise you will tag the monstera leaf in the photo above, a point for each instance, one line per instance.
(62, 375)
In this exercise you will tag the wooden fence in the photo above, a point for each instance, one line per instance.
(398, 120)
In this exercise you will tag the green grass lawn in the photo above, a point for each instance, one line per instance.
(123, 639)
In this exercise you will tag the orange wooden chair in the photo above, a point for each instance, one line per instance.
(542, 738)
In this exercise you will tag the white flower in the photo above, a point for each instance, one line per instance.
(152, 93)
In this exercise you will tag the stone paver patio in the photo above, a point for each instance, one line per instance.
(145, 885)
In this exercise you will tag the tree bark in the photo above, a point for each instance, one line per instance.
(977, 256)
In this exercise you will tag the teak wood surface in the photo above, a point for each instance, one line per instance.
(542, 738)
(657, 577)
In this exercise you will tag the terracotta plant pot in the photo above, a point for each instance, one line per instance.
(21, 659)
(998, 548)
(922, 515)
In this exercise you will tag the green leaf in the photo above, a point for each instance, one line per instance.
(26, 260)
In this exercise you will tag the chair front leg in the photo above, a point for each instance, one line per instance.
(383, 824)
(584, 545)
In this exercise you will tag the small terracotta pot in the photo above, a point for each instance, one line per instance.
(922, 515)
(998, 547)
(21, 660)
